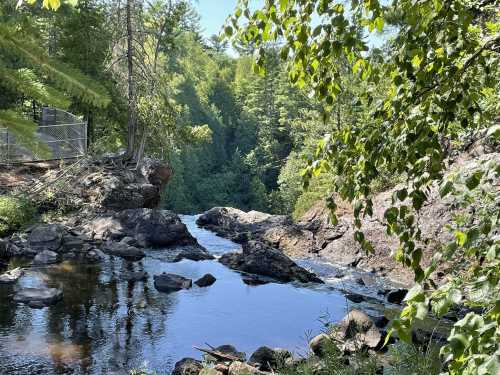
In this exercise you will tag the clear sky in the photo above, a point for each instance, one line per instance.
(213, 14)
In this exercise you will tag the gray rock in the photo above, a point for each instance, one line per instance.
(240, 368)
(187, 366)
(397, 296)
(260, 259)
(169, 282)
(135, 276)
(210, 371)
(205, 280)
(123, 251)
(94, 256)
(46, 257)
(265, 359)
(46, 237)
(38, 297)
(194, 252)
(357, 331)
(10, 277)
(231, 350)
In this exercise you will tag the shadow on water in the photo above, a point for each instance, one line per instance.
(106, 323)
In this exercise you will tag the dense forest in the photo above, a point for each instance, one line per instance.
(233, 137)
(295, 102)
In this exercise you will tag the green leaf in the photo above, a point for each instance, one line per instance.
(461, 237)
(445, 189)
(473, 181)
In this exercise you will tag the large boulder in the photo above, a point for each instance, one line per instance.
(169, 282)
(187, 366)
(357, 331)
(119, 188)
(192, 252)
(260, 259)
(38, 297)
(149, 227)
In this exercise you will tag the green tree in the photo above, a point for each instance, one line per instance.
(443, 69)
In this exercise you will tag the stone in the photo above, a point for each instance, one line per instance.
(222, 368)
(135, 276)
(380, 321)
(73, 243)
(187, 366)
(46, 257)
(240, 368)
(265, 359)
(169, 282)
(123, 251)
(354, 297)
(195, 253)
(131, 241)
(10, 277)
(397, 295)
(319, 342)
(210, 371)
(231, 350)
(46, 237)
(38, 297)
(205, 280)
(357, 331)
(261, 259)
(94, 256)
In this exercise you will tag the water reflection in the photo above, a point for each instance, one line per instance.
(106, 323)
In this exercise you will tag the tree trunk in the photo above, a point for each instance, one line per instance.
(132, 100)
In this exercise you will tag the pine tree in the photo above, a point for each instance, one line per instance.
(25, 69)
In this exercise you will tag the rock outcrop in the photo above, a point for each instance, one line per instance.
(148, 227)
(260, 259)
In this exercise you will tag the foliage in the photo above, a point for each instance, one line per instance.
(15, 212)
(27, 69)
(432, 89)
(409, 359)
(333, 362)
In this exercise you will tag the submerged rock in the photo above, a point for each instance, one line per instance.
(260, 259)
(46, 257)
(10, 277)
(205, 280)
(187, 366)
(38, 297)
(123, 250)
(135, 276)
(169, 282)
(194, 252)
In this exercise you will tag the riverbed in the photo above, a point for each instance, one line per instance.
(107, 325)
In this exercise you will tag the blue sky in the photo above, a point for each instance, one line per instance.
(213, 14)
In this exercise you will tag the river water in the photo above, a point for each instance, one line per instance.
(106, 324)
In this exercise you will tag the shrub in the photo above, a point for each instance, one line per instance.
(15, 212)
(408, 359)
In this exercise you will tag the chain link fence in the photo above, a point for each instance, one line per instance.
(64, 133)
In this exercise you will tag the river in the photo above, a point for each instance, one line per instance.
(106, 324)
